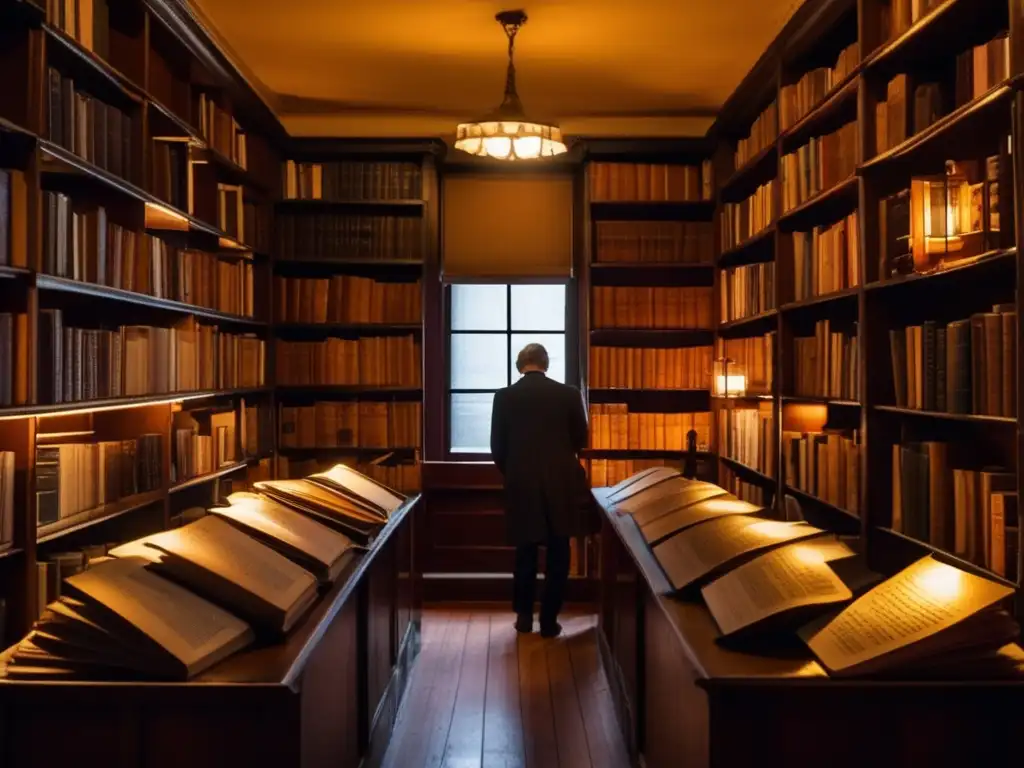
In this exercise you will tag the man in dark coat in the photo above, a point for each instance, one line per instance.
(538, 428)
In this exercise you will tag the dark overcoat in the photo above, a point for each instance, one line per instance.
(538, 428)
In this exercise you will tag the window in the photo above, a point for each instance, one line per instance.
(489, 324)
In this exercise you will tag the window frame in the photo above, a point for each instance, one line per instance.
(571, 347)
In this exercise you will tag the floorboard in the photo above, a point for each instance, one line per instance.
(482, 696)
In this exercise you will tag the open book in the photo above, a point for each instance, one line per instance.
(658, 527)
(641, 480)
(224, 565)
(320, 550)
(360, 489)
(121, 620)
(786, 587)
(930, 614)
(703, 551)
(687, 490)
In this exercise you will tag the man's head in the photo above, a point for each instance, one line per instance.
(532, 357)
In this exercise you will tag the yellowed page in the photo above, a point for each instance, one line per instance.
(362, 487)
(785, 578)
(695, 552)
(676, 485)
(653, 474)
(697, 512)
(918, 602)
(188, 627)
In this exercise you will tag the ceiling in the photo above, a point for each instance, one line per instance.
(404, 68)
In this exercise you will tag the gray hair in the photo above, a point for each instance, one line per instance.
(532, 354)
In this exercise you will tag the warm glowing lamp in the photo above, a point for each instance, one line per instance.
(507, 133)
(730, 379)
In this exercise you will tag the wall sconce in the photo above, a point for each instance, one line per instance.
(945, 212)
(729, 378)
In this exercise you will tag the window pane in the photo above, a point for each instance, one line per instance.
(479, 361)
(554, 343)
(479, 307)
(471, 422)
(538, 307)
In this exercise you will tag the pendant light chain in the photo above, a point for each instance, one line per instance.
(510, 75)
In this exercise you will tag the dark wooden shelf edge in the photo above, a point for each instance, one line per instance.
(208, 477)
(982, 260)
(808, 207)
(891, 48)
(748, 167)
(733, 324)
(27, 411)
(349, 327)
(68, 285)
(397, 203)
(95, 62)
(119, 508)
(825, 298)
(967, 417)
(839, 93)
(820, 503)
(743, 468)
(750, 243)
(10, 551)
(949, 557)
(350, 262)
(822, 400)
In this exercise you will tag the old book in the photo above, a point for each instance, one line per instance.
(328, 507)
(696, 512)
(670, 488)
(360, 489)
(317, 548)
(704, 551)
(641, 482)
(922, 616)
(119, 619)
(784, 588)
(659, 505)
(216, 560)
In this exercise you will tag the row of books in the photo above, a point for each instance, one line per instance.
(87, 364)
(220, 130)
(981, 68)
(614, 428)
(657, 242)
(392, 361)
(967, 366)
(900, 15)
(748, 436)
(798, 99)
(87, 21)
(763, 133)
(605, 472)
(650, 182)
(744, 490)
(747, 290)
(755, 575)
(187, 598)
(86, 246)
(827, 259)
(92, 129)
(205, 440)
(171, 178)
(327, 236)
(827, 364)
(14, 205)
(939, 499)
(352, 180)
(346, 299)
(8, 508)
(826, 465)
(366, 424)
(818, 166)
(648, 307)
(14, 349)
(74, 481)
(402, 474)
(753, 358)
(661, 368)
(739, 222)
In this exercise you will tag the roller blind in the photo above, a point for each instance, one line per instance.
(507, 225)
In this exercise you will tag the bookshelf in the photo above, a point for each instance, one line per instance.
(354, 231)
(135, 221)
(860, 304)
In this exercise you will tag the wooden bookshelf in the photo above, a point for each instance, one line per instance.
(139, 262)
(836, 72)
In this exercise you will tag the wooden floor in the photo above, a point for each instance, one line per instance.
(482, 696)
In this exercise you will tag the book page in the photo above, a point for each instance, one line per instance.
(294, 529)
(305, 492)
(695, 552)
(216, 546)
(698, 512)
(918, 602)
(662, 473)
(358, 485)
(187, 626)
(675, 485)
(649, 481)
(788, 577)
(138, 548)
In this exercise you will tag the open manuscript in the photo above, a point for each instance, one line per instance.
(786, 587)
(703, 551)
(320, 550)
(657, 527)
(675, 487)
(641, 481)
(929, 616)
(224, 565)
(120, 620)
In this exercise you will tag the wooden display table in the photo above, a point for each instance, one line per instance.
(327, 696)
(684, 700)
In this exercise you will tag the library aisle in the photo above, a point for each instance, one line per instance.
(482, 697)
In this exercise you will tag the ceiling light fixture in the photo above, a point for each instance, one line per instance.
(507, 133)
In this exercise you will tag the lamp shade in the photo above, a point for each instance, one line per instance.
(509, 139)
